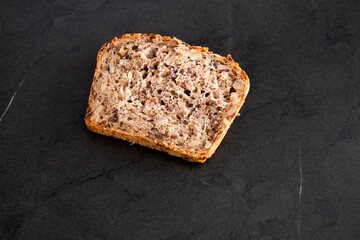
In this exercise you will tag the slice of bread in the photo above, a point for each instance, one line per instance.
(162, 93)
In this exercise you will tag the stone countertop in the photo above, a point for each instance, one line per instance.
(289, 167)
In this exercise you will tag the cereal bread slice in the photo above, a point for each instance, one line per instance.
(162, 93)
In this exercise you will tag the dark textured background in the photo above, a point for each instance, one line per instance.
(289, 167)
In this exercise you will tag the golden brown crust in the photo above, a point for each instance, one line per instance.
(154, 144)
(144, 141)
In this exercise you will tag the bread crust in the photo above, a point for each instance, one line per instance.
(153, 143)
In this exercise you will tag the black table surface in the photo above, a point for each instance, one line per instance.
(289, 167)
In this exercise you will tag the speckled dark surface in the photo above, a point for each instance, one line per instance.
(289, 167)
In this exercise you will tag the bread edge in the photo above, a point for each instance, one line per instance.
(147, 142)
